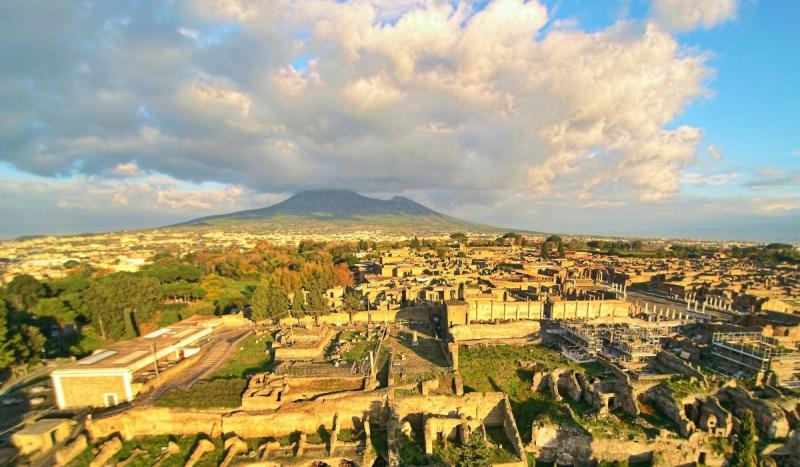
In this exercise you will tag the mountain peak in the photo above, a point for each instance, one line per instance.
(342, 207)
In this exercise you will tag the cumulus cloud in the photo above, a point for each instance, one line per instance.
(83, 203)
(457, 105)
(395, 96)
(685, 15)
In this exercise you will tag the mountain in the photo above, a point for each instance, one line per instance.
(342, 209)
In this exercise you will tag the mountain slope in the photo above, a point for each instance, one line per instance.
(341, 208)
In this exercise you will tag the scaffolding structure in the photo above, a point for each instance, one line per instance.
(622, 343)
(756, 353)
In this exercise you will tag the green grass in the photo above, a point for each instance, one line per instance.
(359, 349)
(215, 393)
(152, 445)
(379, 440)
(504, 374)
(411, 451)
(682, 387)
(252, 356)
(502, 449)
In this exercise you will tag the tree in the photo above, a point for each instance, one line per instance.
(58, 313)
(119, 302)
(316, 302)
(353, 300)
(24, 291)
(459, 237)
(474, 453)
(298, 300)
(553, 239)
(7, 355)
(268, 301)
(214, 285)
(744, 449)
(414, 243)
(286, 278)
(636, 245)
(342, 276)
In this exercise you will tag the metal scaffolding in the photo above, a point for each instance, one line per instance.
(756, 353)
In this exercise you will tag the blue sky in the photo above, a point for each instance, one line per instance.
(613, 117)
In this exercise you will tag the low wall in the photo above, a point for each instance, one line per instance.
(674, 363)
(513, 330)
(307, 417)
(153, 421)
(417, 313)
(480, 406)
(589, 309)
(490, 310)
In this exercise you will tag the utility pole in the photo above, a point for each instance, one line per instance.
(155, 360)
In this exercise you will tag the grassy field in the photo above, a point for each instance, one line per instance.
(505, 374)
(215, 393)
(252, 356)
(152, 447)
(225, 387)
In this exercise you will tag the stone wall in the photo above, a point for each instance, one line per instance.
(417, 313)
(490, 310)
(486, 407)
(496, 331)
(589, 309)
(571, 445)
(152, 421)
(769, 417)
(307, 417)
(674, 363)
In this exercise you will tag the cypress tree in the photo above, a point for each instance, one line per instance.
(744, 449)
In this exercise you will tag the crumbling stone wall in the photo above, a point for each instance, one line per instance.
(769, 417)
(674, 363)
(572, 445)
(308, 416)
(152, 421)
(480, 406)
(662, 397)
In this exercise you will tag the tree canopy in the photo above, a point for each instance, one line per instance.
(119, 301)
(744, 449)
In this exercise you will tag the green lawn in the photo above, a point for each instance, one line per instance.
(215, 393)
(153, 446)
(252, 356)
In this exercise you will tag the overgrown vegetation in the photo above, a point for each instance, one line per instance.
(152, 447)
(215, 393)
(505, 374)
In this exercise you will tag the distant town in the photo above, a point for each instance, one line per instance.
(207, 346)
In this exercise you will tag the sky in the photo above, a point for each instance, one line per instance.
(663, 118)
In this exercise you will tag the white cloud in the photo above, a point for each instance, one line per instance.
(685, 15)
(372, 92)
(425, 97)
(715, 153)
